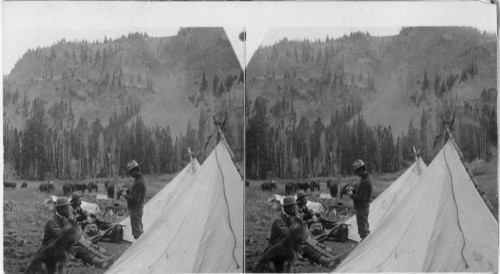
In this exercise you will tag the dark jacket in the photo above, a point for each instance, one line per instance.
(136, 197)
(281, 226)
(53, 229)
(362, 197)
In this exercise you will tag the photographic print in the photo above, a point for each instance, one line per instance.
(372, 149)
(122, 148)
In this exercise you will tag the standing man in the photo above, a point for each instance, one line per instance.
(361, 198)
(135, 200)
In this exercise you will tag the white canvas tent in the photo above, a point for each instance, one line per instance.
(161, 200)
(203, 229)
(442, 225)
(389, 199)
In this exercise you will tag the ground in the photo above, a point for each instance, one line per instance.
(26, 221)
(259, 215)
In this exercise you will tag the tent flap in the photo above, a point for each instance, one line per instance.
(389, 199)
(161, 200)
(441, 225)
(201, 230)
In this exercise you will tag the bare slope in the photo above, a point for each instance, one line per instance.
(98, 78)
(325, 73)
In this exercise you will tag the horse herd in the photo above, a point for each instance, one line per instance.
(13, 185)
(70, 188)
(291, 187)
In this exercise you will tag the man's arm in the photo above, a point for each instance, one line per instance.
(361, 192)
(135, 193)
(52, 229)
(278, 230)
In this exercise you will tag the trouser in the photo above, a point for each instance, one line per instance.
(310, 253)
(84, 254)
(136, 221)
(362, 221)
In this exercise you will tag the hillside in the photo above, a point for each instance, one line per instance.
(385, 73)
(315, 106)
(99, 78)
(83, 109)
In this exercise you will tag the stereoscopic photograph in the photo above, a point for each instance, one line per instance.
(372, 149)
(122, 149)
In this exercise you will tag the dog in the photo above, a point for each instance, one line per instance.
(53, 257)
(283, 254)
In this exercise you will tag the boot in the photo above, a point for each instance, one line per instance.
(331, 262)
(103, 263)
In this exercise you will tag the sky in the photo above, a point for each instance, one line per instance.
(30, 24)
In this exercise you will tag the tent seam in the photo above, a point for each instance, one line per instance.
(227, 204)
(455, 200)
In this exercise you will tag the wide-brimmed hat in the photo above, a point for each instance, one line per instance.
(358, 164)
(289, 201)
(62, 201)
(131, 165)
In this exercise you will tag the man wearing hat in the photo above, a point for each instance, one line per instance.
(79, 214)
(307, 214)
(281, 227)
(53, 230)
(311, 218)
(135, 200)
(361, 198)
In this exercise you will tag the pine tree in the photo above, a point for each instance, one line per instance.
(437, 82)
(204, 83)
(256, 140)
(463, 77)
(215, 85)
(425, 83)
(33, 149)
(201, 129)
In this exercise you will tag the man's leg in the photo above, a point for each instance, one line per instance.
(136, 221)
(313, 255)
(90, 258)
(362, 222)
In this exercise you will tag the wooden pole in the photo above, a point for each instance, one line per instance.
(417, 161)
(191, 159)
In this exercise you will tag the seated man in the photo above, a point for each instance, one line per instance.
(306, 213)
(79, 215)
(281, 227)
(54, 227)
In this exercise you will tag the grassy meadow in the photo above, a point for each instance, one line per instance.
(259, 215)
(26, 221)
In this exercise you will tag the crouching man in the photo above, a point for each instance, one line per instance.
(54, 228)
(281, 227)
